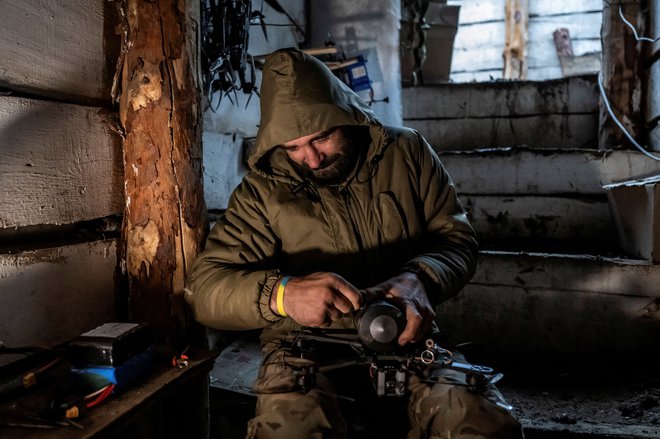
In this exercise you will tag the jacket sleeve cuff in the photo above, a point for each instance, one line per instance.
(426, 276)
(264, 299)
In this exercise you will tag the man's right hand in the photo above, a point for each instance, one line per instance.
(318, 299)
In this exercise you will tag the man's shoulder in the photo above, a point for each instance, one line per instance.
(255, 183)
(404, 140)
(401, 133)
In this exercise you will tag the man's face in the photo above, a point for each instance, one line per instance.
(325, 157)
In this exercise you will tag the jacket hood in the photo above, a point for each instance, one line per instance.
(301, 96)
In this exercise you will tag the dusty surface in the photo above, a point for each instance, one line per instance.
(598, 400)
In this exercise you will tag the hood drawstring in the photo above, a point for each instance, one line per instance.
(300, 186)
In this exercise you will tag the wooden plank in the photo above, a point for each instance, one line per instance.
(584, 273)
(524, 171)
(49, 296)
(501, 218)
(543, 73)
(475, 76)
(564, 96)
(569, 131)
(469, 60)
(552, 7)
(482, 27)
(540, 55)
(557, 305)
(581, 26)
(545, 54)
(483, 35)
(515, 39)
(57, 49)
(571, 64)
(480, 36)
(60, 164)
(549, 322)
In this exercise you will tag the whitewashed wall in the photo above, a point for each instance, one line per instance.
(226, 127)
(60, 164)
(365, 26)
(480, 38)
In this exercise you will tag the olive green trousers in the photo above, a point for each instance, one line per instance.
(441, 408)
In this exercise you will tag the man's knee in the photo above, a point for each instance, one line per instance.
(296, 415)
(452, 411)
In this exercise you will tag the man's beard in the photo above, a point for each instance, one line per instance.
(335, 168)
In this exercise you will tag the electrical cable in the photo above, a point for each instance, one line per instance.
(607, 102)
(637, 37)
(619, 124)
(107, 390)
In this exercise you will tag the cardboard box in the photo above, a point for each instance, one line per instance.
(635, 207)
(442, 21)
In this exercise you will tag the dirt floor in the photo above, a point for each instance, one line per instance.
(603, 400)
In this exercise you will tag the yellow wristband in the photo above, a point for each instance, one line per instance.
(279, 300)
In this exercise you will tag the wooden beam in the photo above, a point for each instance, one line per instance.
(487, 40)
(569, 131)
(621, 74)
(51, 295)
(496, 114)
(566, 306)
(58, 49)
(501, 99)
(165, 215)
(515, 39)
(526, 171)
(514, 219)
(59, 163)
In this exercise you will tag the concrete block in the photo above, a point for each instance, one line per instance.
(636, 210)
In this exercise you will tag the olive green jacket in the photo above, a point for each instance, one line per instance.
(398, 210)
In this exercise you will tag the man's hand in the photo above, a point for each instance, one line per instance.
(318, 299)
(407, 292)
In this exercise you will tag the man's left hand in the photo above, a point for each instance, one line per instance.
(407, 292)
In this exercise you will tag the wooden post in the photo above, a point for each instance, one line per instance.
(652, 79)
(164, 216)
(621, 74)
(515, 47)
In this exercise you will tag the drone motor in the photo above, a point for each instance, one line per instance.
(379, 326)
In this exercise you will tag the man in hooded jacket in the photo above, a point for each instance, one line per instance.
(336, 208)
